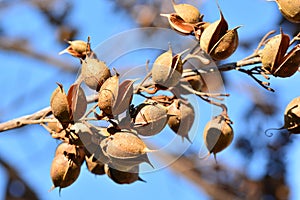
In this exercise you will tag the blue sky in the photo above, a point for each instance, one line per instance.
(27, 85)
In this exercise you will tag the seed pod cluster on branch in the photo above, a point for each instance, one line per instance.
(215, 38)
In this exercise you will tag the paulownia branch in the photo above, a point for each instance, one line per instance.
(21, 46)
(34, 117)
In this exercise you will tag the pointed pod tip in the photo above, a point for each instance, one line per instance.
(63, 51)
(165, 15)
(205, 157)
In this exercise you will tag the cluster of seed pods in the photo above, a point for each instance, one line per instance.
(214, 38)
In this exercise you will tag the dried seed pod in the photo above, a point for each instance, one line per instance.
(77, 101)
(72, 152)
(276, 61)
(178, 24)
(64, 172)
(122, 177)
(55, 126)
(77, 48)
(274, 51)
(108, 94)
(212, 34)
(292, 116)
(218, 41)
(290, 9)
(217, 135)
(94, 72)
(167, 70)
(181, 118)
(150, 119)
(125, 150)
(187, 12)
(94, 166)
(226, 45)
(125, 94)
(290, 63)
(59, 105)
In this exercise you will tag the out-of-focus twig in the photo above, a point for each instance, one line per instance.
(21, 46)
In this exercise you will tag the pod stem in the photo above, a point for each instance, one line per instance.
(271, 134)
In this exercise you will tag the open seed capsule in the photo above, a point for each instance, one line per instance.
(290, 9)
(292, 116)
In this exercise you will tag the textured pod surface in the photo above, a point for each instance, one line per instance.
(290, 63)
(59, 105)
(122, 177)
(292, 116)
(226, 45)
(187, 12)
(125, 150)
(167, 70)
(108, 94)
(63, 172)
(94, 73)
(150, 119)
(212, 33)
(182, 118)
(274, 51)
(290, 9)
(217, 135)
(72, 152)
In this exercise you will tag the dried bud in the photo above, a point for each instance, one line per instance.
(94, 73)
(150, 119)
(217, 135)
(181, 118)
(77, 48)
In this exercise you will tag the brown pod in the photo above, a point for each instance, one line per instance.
(290, 9)
(292, 116)
(124, 97)
(72, 152)
(178, 24)
(121, 177)
(59, 105)
(108, 94)
(150, 119)
(77, 101)
(94, 166)
(167, 70)
(273, 52)
(290, 63)
(181, 118)
(196, 82)
(213, 33)
(63, 172)
(94, 72)
(125, 150)
(77, 48)
(217, 135)
(189, 13)
(226, 45)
